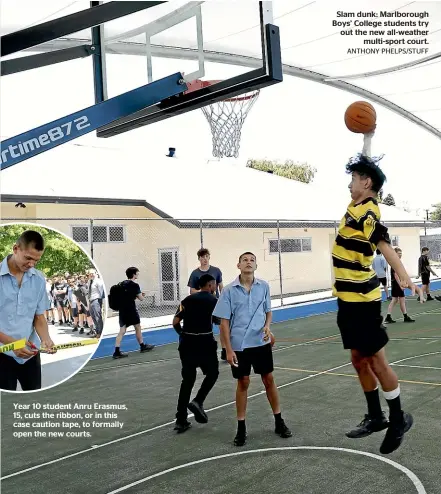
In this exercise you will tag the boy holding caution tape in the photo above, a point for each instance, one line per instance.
(23, 302)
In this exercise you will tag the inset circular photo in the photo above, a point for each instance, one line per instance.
(52, 307)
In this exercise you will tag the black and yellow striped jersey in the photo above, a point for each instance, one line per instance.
(359, 232)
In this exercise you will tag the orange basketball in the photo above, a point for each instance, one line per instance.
(360, 117)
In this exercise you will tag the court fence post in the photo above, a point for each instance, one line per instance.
(280, 262)
(91, 238)
(202, 233)
(335, 229)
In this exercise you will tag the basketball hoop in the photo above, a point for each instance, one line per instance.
(226, 119)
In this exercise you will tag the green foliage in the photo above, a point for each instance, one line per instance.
(302, 172)
(389, 200)
(436, 215)
(60, 255)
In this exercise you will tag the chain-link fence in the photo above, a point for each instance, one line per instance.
(294, 256)
(431, 238)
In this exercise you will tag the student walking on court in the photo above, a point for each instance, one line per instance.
(397, 295)
(23, 304)
(424, 271)
(380, 267)
(197, 348)
(359, 300)
(244, 308)
(206, 268)
(128, 312)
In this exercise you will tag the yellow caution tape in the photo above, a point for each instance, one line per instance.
(19, 344)
(65, 346)
(15, 345)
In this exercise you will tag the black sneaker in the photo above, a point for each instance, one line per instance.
(368, 426)
(81, 331)
(146, 348)
(75, 328)
(199, 413)
(389, 319)
(429, 298)
(282, 430)
(241, 438)
(408, 319)
(438, 298)
(119, 355)
(395, 434)
(181, 427)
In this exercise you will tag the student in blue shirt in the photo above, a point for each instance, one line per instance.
(244, 308)
(23, 302)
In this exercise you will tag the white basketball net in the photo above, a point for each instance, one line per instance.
(226, 119)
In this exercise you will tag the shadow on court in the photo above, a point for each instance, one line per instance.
(320, 396)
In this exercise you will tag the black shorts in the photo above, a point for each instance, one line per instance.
(425, 278)
(259, 357)
(383, 281)
(360, 325)
(197, 352)
(75, 311)
(27, 374)
(129, 319)
(397, 291)
(61, 302)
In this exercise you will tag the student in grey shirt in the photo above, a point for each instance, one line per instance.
(380, 267)
(206, 268)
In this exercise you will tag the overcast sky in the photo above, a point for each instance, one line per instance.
(295, 119)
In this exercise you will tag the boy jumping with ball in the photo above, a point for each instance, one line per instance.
(359, 299)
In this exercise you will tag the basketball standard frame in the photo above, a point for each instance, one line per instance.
(270, 73)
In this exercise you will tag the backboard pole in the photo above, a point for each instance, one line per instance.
(99, 61)
(266, 17)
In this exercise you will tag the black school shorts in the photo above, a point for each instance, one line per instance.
(360, 325)
(128, 319)
(383, 281)
(199, 351)
(425, 278)
(397, 291)
(260, 358)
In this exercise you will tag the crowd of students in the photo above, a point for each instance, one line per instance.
(76, 301)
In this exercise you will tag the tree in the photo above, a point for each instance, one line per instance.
(389, 200)
(61, 255)
(302, 172)
(436, 215)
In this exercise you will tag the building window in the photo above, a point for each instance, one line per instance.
(394, 240)
(80, 234)
(101, 234)
(290, 245)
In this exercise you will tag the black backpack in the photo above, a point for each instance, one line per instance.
(116, 296)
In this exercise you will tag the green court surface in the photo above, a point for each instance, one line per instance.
(320, 396)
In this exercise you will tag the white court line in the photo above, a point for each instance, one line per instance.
(94, 447)
(146, 362)
(98, 446)
(413, 478)
(414, 356)
(177, 358)
(417, 366)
